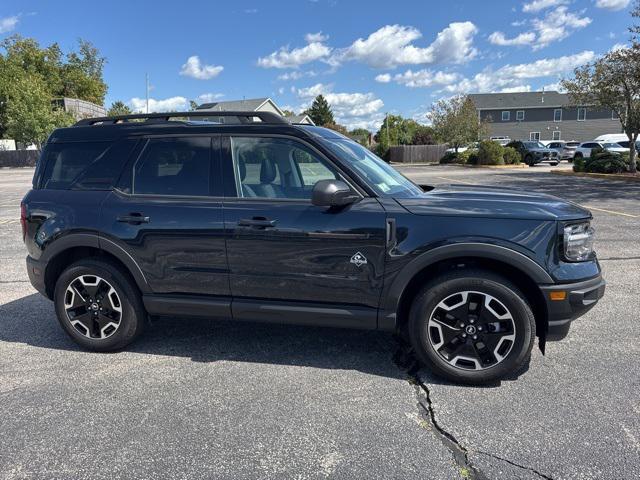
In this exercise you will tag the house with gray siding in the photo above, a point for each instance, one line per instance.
(542, 116)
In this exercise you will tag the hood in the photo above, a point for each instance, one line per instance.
(492, 202)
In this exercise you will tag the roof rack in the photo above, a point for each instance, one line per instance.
(243, 117)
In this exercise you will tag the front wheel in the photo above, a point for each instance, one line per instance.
(98, 305)
(529, 160)
(472, 326)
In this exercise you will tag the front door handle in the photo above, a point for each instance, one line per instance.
(133, 218)
(259, 222)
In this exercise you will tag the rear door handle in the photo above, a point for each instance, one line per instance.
(133, 218)
(259, 222)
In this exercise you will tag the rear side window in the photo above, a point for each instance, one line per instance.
(174, 166)
(67, 163)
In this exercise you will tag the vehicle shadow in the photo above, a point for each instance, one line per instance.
(31, 320)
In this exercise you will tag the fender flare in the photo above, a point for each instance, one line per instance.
(393, 294)
(94, 240)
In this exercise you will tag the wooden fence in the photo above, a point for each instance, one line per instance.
(417, 153)
(18, 158)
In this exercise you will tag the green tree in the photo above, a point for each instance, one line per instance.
(360, 135)
(29, 116)
(337, 127)
(118, 108)
(395, 130)
(423, 135)
(612, 82)
(288, 113)
(82, 74)
(455, 121)
(320, 112)
(193, 105)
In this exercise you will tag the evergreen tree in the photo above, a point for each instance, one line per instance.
(320, 112)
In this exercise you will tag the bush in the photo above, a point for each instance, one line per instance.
(451, 157)
(607, 162)
(490, 153)
(511, 156)
(578, 164)
(467, 155)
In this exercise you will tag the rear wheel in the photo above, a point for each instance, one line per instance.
(98, 305)
(472, 326)
(528, 159)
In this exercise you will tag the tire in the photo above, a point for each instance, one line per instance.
(111, 320)
(504, 321)
(554, 164)
(529, 160)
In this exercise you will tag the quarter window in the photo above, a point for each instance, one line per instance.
(557, 115)
(506, 116)
(174, 166)
(276, 168)
(582, 114)
(520, 115)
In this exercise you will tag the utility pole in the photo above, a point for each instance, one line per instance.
(386, 121)
(147, 85)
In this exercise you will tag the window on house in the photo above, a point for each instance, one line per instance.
(533, 136)
(557, 115)
(520, 115)
(582, 114)
(506, 116)
(556, 135)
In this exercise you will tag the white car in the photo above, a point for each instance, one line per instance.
(584, 150)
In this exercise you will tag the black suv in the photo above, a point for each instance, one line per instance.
(248, 217)
(533, 152)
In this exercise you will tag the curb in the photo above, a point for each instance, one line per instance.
(605, 176)
(517, 165)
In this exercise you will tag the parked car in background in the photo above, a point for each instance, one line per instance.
(566, 150)
(627, 143)
(501, 140)
(584, 149)
(462, 149)
(612, 138)
(534, 152)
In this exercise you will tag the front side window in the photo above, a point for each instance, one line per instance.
(174, 166)
(506, 115)
(582, 114)
(557, 115)
(277, 168)
(520, 115)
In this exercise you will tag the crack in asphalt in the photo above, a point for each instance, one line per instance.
(404, 359)
(540, 474)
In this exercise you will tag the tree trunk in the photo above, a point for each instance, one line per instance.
(632, 153)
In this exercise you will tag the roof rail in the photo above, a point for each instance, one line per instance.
(243, 117)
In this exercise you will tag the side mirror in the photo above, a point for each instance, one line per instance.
(332, 193)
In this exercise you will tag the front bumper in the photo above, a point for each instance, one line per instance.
(35, 270)
(580, 298)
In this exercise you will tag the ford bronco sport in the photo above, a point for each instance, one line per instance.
(244, 216)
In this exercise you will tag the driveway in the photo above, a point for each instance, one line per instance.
(200, 399)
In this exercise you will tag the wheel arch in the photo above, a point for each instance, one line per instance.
(516, 267)
(72, 248)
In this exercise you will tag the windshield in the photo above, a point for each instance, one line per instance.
(610, 145)
(534, 145)
(382, 177)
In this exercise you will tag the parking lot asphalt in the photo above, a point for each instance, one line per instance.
(199, 399)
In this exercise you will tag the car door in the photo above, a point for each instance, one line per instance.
(167, 214)
(291, 261)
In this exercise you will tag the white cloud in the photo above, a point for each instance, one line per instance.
(514, 76)
(383, 78)
(613, 4)
(209, 97)
(498, 38)
(392, 45)
(538, 5)
(316, 37)
(173, 104)
(251, 11)
(618, 46)
(354, 110)
(425, 78)
(194, 69)
(557, 25)
(285, 58)
(7, 24)
(296, 75)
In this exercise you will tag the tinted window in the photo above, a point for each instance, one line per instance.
(66, 163)
(276, 168)
(174, 166)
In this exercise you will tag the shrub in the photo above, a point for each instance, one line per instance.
(490, 153)
(511, 156)
(578, 164)
(467, 154)
(607, 162)
(451, 157)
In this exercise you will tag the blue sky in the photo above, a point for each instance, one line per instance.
(366, 57)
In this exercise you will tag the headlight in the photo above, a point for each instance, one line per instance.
(578, 242)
